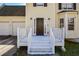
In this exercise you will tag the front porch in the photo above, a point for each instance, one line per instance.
(42, 44)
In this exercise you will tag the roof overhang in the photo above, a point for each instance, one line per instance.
(65, 11)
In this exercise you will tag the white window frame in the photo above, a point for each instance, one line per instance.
(66, 6)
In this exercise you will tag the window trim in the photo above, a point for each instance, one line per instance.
(71, 24)
(73, 6)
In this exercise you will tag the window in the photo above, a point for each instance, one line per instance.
(40, 4)
(61, 23)
(67, 6)
(71, 24)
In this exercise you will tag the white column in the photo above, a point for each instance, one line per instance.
(44, 26)
(35, 26)
(65, 24)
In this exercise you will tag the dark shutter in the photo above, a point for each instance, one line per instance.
(59, 6)
(45, 4)
(34, 4)
(74, 6)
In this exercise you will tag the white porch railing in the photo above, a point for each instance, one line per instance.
(52, 40)
(21, 37)
(24, 38)
(59, 37)
(29, 39)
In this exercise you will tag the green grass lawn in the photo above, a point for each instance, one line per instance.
(72, 49)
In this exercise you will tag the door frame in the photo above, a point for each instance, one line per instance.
(46, 21)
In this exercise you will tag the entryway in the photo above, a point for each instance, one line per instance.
(40, 26)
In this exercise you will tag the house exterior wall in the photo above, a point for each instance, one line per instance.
(69, 33)
(51, 11)
(9, 24)
(40, 12)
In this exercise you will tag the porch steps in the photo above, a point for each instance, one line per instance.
(41, 45)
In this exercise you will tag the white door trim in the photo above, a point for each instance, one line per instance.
(46, 24)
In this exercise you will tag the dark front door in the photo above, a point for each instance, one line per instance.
(40, 26)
